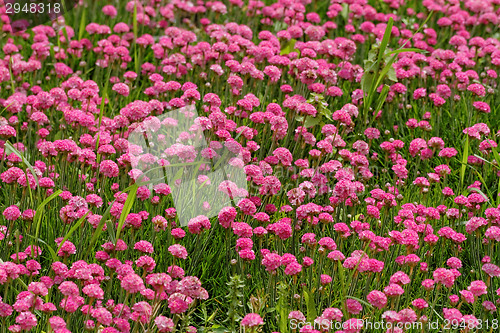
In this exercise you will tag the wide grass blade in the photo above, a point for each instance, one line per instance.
(385, 39)
(72, 230)
(465, 157)
(81, 30)
(37, 219)
(98, 231)
(12, 149)
(51, 250)
(126, 209)
(310, 306)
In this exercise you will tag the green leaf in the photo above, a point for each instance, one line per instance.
(283, 307)
(419, 28)
(381, 98)
(178, 174)
(342, 283)
(65, 33)
(98, 230)
(310, 306)
(409, 49)
(496, 155)
(219, 329)
(37, 219)
(361, 301)
(465, 156)
(111, 230)
(391, 74)
(134, 21)
(288, 47)
(105, 220)
(475, 189)
(72, 230)
(384, 72)
(345, 11)
(58, 135)
(81, 30)
(367, 81)
(313, 121)
(12, 149)
(385, 39)
(479, 191)
(51, 250)
(486, 161)
(498, 193)
(126, 209)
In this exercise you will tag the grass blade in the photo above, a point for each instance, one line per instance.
(126, 209)
(37, 219)
(310, 306)
(12, 149)
(51, 250)
(465, 156)
(98, 230)
(72, 230)
(81, 30)
(385, 39)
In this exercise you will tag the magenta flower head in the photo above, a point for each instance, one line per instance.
(26, 320)
(144, 246)
(252, 320)
(12, 213)
(377, 299)
(132, 283)
(353, 306)
(491, 270)
(93, 291)
(164, 324)
(178, 251)
(68, 288)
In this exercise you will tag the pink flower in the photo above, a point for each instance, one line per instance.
(477, 89)
(68, 288)
(393, 290)
(467, 296)
(481, 106)
(179, 303)
(109, 10)
(353, 306)
(93, 291)
(325, 279)
(377, 299)
(198, 224)
(491, 269)
(109, 168)
(164, 324)
(272, 261)
(478, 288)
(144, 246)
(420, 303)
(121, 88)
(132, 283)
(178, 251)
(11, 213)
(453, 315)
(352, 325)
(444, 276)
(251, 320)
(26, 320)
(293, 268)
(38, 288)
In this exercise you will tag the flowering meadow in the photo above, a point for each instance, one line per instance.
(364, 132)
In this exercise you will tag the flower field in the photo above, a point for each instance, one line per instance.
(250, 166)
